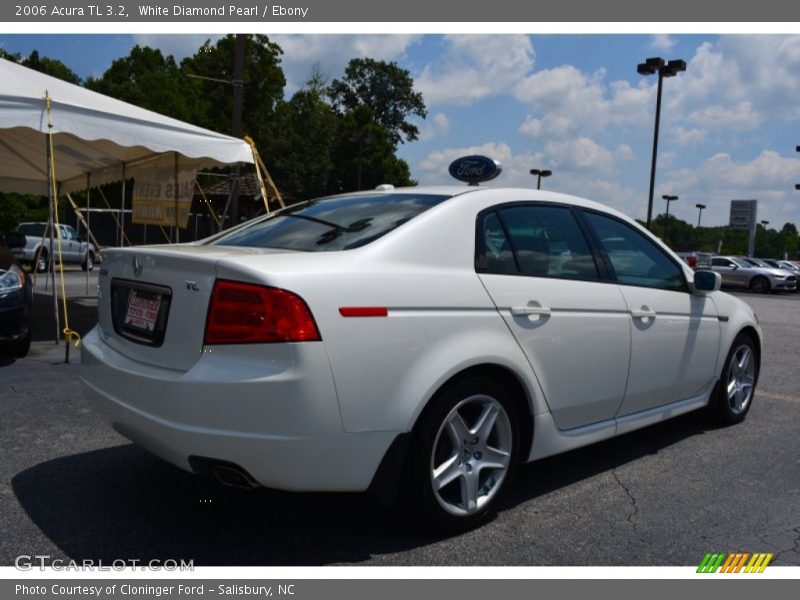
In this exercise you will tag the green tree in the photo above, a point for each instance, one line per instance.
(153, 81)
(300, 149)
(48, 66)
(364, 155)
(263, 84)
(387, 90)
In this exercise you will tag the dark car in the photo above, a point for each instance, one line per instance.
(16, 300)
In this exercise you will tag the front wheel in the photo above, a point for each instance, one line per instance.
(737, 384)
(759, 284)
(466, 450)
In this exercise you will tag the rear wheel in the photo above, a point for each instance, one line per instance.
(465, 453)
(41, 264)
(17, 348)
(737, 384)
(88, 262)
(759, 284)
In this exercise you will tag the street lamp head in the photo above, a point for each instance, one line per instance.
(797, 185)
(656, 62)
(535, 171)
(674, 67)
(669, 198)
(545, 172)
(700, 206)
(644, 69)
(765, 223)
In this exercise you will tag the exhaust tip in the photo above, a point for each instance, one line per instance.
(224, 472)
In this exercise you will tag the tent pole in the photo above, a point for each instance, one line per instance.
(88, 233)
(177, 200)
(51, 262)
(122, 211)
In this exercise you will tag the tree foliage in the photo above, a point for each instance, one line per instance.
(153, 81)
(263, 84)
(769, 243)
(387, 90)
(48, 66)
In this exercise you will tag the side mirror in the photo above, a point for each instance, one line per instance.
(15, 239)
(734, 266)
(706, 282)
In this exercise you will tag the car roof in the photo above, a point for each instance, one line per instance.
(460, 190)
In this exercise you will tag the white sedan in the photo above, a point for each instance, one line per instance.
(435, 336)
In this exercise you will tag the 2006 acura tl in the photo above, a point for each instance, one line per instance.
(439, 335)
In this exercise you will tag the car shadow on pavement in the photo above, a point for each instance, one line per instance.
(123, 503)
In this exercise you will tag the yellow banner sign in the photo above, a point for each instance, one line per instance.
(156, 198)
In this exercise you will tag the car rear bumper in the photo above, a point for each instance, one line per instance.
(277, 420)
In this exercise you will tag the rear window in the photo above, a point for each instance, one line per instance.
(336, 223)
(32, 229)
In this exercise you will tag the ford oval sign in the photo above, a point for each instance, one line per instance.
(474, 169)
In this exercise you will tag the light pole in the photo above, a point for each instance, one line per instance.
(539, 173)
(764, 235)
(700, 208)
(664, 69)
(666, 219)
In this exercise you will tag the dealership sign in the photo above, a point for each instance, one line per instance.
(743, 214)
(474, 169)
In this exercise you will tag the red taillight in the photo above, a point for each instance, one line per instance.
(245, 313)
(692, 261)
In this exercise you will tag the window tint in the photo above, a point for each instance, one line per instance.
(721, 262)
(546, 241)
(338, 223)
(636, 259)
(495, 256)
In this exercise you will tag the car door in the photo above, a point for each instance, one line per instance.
(536, 264)
(732, 272)
(675, 334)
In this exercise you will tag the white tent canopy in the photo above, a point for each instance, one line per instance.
(97, 139)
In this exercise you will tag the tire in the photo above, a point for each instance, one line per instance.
(88, 262)
(40, 262)
(760, 284)
(17, 348)
(473, 466)
(734, 393)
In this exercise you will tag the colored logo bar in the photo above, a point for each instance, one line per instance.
(734, 563)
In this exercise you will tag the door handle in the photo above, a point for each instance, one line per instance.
(643, 313)
(532, 308)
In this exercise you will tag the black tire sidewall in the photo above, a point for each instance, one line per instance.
(425, 436)
(760, 284)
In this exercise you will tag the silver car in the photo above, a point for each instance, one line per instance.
(737, 272)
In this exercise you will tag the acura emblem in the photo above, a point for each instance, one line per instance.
(138, 265)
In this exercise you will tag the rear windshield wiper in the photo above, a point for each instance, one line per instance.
(359, 225)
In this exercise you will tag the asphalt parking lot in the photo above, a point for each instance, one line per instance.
(73, 489)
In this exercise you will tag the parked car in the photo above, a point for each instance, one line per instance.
(784, 265)
(37, 251)
(16, 300)
(737, 272)
(434, 336)
(696, 260)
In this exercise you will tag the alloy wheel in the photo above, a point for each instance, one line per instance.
(471, 455)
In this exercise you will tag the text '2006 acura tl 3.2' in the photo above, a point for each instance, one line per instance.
(425, 340)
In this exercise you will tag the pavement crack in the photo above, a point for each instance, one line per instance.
(632, 516)
(795, 548)
(16, 390)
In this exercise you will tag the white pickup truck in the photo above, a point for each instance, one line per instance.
(37, 250)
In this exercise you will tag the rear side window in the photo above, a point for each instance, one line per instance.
(337, 223)
(536, 240)
(636, 259)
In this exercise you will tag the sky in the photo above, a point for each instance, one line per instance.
(570, 103)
